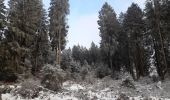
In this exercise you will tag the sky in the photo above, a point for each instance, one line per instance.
(82, 20)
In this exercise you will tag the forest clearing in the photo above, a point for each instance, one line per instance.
(131, 61)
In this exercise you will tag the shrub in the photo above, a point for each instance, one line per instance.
(29, 89)
(90, 77)
(102, 71)
(66, 59)
(128, 83)
(53, 77)
(8, 76)
(83, 73)
(81, 95)
(122, 96)
(84, 70)
(75, 67)
(5, 89)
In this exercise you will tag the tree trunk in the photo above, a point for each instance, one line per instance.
(139, 58)
(110, 63)
(36, 64)
(58, 49)
(131, 62)
(57, 55)
(0, 96)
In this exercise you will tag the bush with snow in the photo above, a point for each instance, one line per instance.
(66, 59)
(29, 89)
(84, 70)
(127, 81)
(5, 89)
(122, 96)
(90, 77)
(53, 77)
(75, 67)
(102, 71)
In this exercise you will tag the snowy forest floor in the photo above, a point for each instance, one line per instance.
(101, 89)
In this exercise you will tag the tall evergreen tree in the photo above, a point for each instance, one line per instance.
(40, 48)
(122, 52)
(94, 53)
(24, 18)
(80, 54)
(155, 23)
(165, 28)
(134, 26)
(2, 19)
(108, 26)
(59, 9)
(149, 39)
(2, 31)
(162, 66)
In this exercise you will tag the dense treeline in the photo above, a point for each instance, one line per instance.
(24, 37)
(137, 41)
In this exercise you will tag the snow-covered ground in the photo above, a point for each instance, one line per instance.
(105, 89)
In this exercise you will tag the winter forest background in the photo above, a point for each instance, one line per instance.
(134, 46)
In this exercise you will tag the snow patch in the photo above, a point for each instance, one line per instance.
(76, 87)
(75, 91)
(2, 86)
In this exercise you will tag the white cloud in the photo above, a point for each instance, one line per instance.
(83, 30)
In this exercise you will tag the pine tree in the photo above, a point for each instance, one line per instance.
(58, 25)
(2, 19)
(44, 42)
(66, 59)
(24, 18)
(2, 31)
(108, 32)
(149, 40)
(134, 26)
(122, 56)
(80, 54)
(165, 27)
(94, 53)
(155, 23)
(40, 48)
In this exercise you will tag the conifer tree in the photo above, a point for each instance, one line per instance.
(94, 53)
(24, 18)
(2, 18)
(165, 27)
(108, 26)
(134, 26)
(122, 56)
(155, 22)
(59, 9)
(2, 31)
(40, 48)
